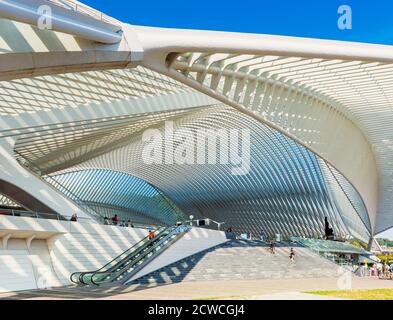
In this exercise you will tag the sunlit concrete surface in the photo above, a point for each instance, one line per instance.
(38, 253)
(256, 289)
(320, 110)
(77, 99)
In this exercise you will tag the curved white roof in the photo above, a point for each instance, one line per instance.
(334, 98)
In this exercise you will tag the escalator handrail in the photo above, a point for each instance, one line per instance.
(168, 239)
(139, 258)
(143, 255)
(136, 245)
(126, 254)
(123, 263)
(91, 274)
(134, 261)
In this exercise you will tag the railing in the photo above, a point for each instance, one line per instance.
(85, 10)
(130, 261)
(207, 221)
(329, 245)
(37, 215)
(93, 277)
(74, 198)
(56, 216)
(151, 252)
(340, 261)
(55, 185)
(134, 225)
(325, 253)
(51, 182)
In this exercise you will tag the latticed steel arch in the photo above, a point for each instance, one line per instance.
(108, 192)
(334, 99)
(285, 190)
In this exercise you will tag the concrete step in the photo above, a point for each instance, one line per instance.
(236, 260)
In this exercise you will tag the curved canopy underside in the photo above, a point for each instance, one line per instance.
(287, 189)
(319, 115)
(109, 192)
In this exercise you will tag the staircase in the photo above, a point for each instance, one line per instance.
(243, 260)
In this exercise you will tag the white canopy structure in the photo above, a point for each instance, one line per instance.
(76, 100)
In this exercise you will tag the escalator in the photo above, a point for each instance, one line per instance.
(132, 260)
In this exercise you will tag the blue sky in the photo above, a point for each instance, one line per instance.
(372, 21)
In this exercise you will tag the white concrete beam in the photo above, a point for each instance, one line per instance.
(29, 240)
(5, 239)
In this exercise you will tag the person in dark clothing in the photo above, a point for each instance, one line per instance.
(115, 220)
(292, 255)
(271, 246)
(329, 234)
(74, 218)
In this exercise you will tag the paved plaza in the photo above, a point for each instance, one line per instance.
(256, 289)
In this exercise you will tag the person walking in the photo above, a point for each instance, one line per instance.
(292, 255)
(271, 246)
(362, 271)
(150, 235)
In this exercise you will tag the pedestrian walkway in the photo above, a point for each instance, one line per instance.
(293, 296)
(244, 260)
(236, 289)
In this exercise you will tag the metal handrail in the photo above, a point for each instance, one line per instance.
(51, 182)
(132, 263)
(31, 214)
(113, 263)
(219, 224)
(128, 262)
(134, 249)
(56, 216)
(176, 230)
(340, 261)
(58, 187)
(134, 225)
(85, 10)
